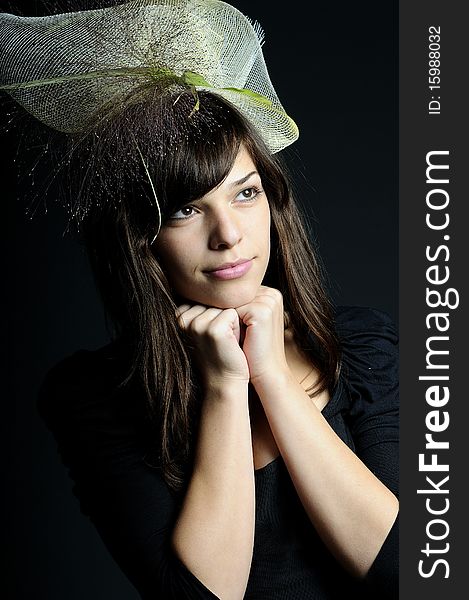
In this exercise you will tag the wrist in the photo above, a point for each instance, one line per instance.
(226, 388)
(273, 381)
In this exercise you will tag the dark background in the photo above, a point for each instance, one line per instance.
(334, 67)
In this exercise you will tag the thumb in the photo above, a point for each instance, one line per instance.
(237, 329)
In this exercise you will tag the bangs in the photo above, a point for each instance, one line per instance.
(199, 150)
(178, 147)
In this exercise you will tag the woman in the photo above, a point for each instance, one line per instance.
(237, 437)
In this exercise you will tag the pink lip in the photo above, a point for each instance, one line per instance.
(232, 270)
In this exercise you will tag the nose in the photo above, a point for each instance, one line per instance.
(225, 229)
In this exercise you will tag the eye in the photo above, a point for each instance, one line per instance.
(249, 194)
(183, 213)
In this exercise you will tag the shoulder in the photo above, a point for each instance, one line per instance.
(85, 384)
(367, 336)
(370, 366)
(370, 381)
(352, 321)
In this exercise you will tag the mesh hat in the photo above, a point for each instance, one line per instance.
(69, 69)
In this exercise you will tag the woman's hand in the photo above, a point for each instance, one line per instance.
(217, 517)
(215, 333)
(263, 345)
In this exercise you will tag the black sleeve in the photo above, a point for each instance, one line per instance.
(371, 372)
(127, 499)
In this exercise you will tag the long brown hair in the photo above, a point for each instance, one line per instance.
(162, 146)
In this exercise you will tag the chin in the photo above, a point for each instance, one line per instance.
(227, 298)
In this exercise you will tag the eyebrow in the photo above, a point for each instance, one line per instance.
(243, 179)
(232, 185)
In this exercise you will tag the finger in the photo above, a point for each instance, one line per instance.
(228, 319)
(269, 294)
(182, 309)
(265, 297)
(186, 317)
(262, 310)
(248, 313)
(201, 320)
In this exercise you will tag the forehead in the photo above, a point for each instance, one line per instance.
(243, 163)
(242, 170)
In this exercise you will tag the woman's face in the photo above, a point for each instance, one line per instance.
(215, 250)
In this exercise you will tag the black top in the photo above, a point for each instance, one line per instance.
(102, 436)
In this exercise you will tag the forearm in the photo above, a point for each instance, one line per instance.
(214, 534)
(349, 507)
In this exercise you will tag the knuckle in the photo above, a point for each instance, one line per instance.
(274, 294)
(196, 326)
(277, 294)
(264, 312)
(216, 329)
(213, 330)
(230, 313)
(182, 309)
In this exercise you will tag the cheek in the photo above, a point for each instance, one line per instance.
(174, 257)
(175, 263)
(264, 226)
